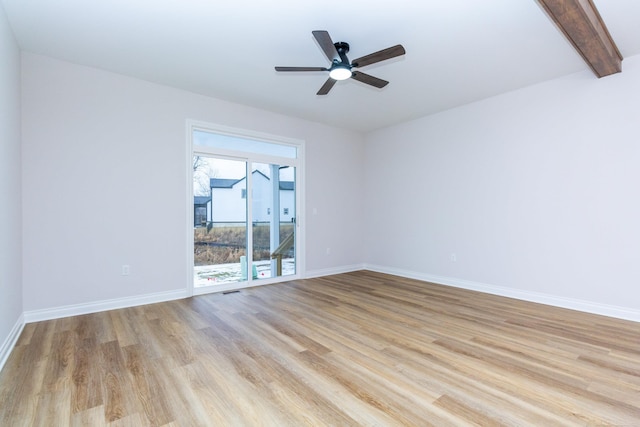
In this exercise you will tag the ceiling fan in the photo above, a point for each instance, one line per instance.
(341, 68)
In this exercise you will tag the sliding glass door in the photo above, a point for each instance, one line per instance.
(245, 211)
(220, 221)
(273, 224)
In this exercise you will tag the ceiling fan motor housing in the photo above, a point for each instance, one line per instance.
(342, 47)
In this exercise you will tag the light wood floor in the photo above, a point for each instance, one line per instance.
(353, 349)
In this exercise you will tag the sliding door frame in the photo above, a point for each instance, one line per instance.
(250, 158)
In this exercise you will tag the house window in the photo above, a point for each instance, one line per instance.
(286, 211)
(244, 193)
(200, 213)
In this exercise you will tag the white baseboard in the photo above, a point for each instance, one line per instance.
(331, 271)
(554, 300)
(10, 342)
(94, 307)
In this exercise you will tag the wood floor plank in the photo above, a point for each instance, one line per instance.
(146, 386)
(88, 417)
(87, 381)
(185, 398)
(54, 407)
(59, 368)
(353, 349)
(118, 393)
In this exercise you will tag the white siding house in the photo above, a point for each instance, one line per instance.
(228, 201)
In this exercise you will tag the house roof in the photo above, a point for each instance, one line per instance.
(286, 185)
(201, 200)
(229, 183)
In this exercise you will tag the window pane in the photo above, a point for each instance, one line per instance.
(273, 235)
(220, 228)
(214, 140)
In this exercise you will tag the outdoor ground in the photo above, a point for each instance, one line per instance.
(218, 251)
(220, 274)
(224, 245)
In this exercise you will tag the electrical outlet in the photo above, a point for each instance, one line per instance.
(126, 270)
(328, 251)
(454, 257)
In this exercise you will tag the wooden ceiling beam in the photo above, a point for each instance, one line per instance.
(583, 26)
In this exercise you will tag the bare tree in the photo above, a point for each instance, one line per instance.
(202, 174)
(198, 163)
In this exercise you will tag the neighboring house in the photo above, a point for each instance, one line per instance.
(229, 197)
(201, 210)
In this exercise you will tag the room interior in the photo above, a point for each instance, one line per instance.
(494, 161)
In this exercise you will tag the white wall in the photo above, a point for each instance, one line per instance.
(105, 183)
(535, 191)
(10, 190)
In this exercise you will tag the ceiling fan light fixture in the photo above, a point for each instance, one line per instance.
(340, 72)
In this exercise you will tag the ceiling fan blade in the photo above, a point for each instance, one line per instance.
(301, 69)
(324, 40)
(370, 80)
(326, 87)
(381, 55)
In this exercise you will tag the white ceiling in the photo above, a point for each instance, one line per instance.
(458, 51)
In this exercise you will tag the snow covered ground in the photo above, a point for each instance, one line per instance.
(208, 275)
